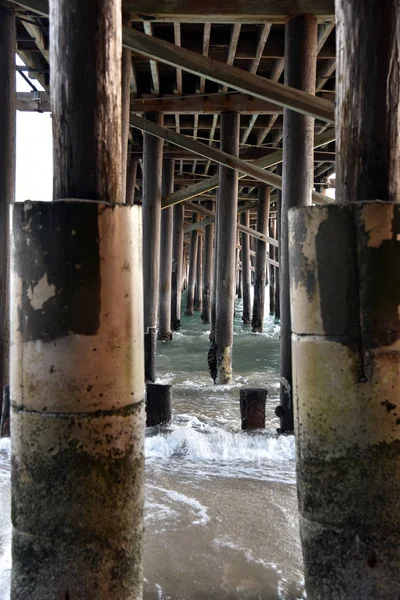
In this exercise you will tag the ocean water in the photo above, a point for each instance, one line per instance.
(221, 505)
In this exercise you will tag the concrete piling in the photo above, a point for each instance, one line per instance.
(77, 401)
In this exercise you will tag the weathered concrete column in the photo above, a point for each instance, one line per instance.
(346, 328)
(246, 280)
(177, 266)
(77, 338)
(164, 317)
(152, 176)
(131, 180)
(77, 401)
(192, 269)
(298, 156)
(227, 224)
(260, 267)
(346, 352)
(7, 172)
(198, 290)
(207, 269)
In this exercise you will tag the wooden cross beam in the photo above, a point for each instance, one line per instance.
(214, 11)
(211, 183)
(214, 154)
(225, 74)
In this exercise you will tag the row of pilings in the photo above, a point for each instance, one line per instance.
(78, 338)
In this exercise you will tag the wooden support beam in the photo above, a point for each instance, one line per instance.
(214, 154)
(230, 76)
(212, 182)
(209, 11)
(148, 29)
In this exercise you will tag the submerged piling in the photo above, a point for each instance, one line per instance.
(158, 404)
(152, 181)
(192, 269)
(252, 408)
(177, 266)
(207, 269)
(246, 280)
(226, 249)
(164, 312)
(260, 267)
(297, 180)
(198, 291)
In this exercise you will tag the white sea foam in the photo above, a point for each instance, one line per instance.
(202, 517)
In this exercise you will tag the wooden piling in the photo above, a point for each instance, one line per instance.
(278, 254)
(297, 184)
(198, 291)
(125, 112)
(86, 152)
(207, 269)
(246, 282)
(7, 173)
(252, 408)
(272, 268)
(131, 180)
(152, 177)
(164, 312)
(227, 221)
(177, 266)
(192, 270)
(158, 404)
(260, 267)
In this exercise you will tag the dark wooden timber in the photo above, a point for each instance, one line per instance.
(152, 175)
(125, 109)
(198, 290)
(212, 104)
(277, 253)
(260, 266)
(225, 11)
(246, 281)
(131, 180)
(7, 171)
(177, 266)
(298, 138)
(272, 268)
(368, 166)
(227, 222)
(86, 126)
(252, 408)
(207, 269)
(192, 270)
(164, 312)
(215, 276)
(158, 404)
